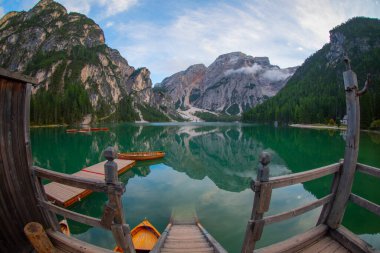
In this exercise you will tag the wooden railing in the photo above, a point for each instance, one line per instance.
(112, 219)
(263, 186)
(370, 206)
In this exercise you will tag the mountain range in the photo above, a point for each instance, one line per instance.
(84, 80)
(315, 93)
(232, 84)
(78, 73)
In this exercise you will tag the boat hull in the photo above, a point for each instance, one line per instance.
(141, 156)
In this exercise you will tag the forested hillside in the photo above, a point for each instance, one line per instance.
(315, 93)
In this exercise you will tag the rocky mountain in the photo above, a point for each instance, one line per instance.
(315, 93)
(77, 71)
(232, 84)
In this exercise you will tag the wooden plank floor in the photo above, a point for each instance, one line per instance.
(64, 195)
(325, 245)
(186, 238)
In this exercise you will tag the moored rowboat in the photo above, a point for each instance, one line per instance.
(65, 227)
(85, 130)
(141, 156)
(144, 237)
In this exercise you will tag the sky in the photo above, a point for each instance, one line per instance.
(167, 36)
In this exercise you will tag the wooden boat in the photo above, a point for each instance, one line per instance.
(86, 130)
(71, 130)
(65, 227)
(141, 156)
(144, 237)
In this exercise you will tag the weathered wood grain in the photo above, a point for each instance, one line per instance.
(297, 211)
(18, 203)
(214, 243)
(350, 153)
(75, 181)
(296, 243)
(370, 170)
(301, 177)
(255, 228)
(91, 221)
(370, 206)
(351, 241)
(333, 189)
(15, 76)
(72, 245)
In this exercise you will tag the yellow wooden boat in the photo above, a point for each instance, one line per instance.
(65, 227)
(144, 237)
(141, 156)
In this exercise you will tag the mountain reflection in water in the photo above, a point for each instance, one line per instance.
(209, 167)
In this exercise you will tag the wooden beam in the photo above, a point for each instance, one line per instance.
(214, 243)
(17, 76)
(297, 211)
(80, 182)
(351, 150)
(161, 240)
(333, 189)
(366, 169)
(255, 228)
(351, 241)
(370, 206)
(91, 221)
(70, 244)
(296, 243)
(301, 177)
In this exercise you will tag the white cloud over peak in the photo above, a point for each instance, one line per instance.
(255, 68)
(286, 31)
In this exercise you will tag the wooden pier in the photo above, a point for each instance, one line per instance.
(186, 236)
(64, 195)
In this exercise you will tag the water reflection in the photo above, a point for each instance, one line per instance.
(209, 167)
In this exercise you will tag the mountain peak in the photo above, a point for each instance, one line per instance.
(48, 4)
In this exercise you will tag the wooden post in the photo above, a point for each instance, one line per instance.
(351, 151)
(334, 188)
(38, 238)
(261, 202)
(114, 207)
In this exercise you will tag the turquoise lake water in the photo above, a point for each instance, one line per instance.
(208, 168)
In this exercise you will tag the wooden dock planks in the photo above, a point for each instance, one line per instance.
(64, 195)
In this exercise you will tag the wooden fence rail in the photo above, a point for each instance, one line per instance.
(112, 219)
(366, 169)
(263, 186)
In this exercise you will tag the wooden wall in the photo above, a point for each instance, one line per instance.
(18, 204)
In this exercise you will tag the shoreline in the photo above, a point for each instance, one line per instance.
(326, 127)
(318, 126)
(48, 126)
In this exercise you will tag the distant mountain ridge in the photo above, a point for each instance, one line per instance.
(79, 74)
(315, 93)
(232, 84)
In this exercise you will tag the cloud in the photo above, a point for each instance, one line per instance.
(255, 68)
(101, 8)
(109, 24)
(276, 75)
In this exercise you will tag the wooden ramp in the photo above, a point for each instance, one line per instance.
(64, 195)
(187, 236)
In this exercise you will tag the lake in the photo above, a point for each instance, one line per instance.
(208, 168)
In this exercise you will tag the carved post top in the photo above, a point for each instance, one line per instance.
(110, 153)
(110, 167)
(265, 158)
(263, 170)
